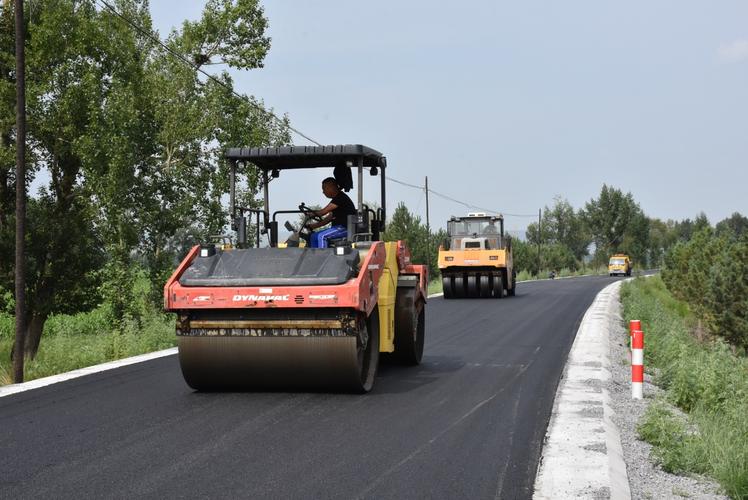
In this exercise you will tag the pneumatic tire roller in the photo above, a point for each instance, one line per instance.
(476, 260)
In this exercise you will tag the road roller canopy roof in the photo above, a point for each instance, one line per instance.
(287, 157)
(344, 159)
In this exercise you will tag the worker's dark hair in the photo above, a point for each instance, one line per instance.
(331, 180)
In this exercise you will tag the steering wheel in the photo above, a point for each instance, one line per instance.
(308, 212)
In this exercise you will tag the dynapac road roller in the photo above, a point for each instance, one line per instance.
(289, 316)
(476, 259)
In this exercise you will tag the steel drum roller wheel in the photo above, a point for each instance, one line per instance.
(368, 355)
(346, 363)
(409, 328)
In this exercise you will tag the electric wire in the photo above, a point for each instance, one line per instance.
(155, 39)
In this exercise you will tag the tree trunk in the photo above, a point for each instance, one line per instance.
(34, 334)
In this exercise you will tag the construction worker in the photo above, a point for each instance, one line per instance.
(335, 213)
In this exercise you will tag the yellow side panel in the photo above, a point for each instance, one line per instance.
(386, 300)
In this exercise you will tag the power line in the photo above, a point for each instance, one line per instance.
(455, 200)
(405, 183)
(157, 40)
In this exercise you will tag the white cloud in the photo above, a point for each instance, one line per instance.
(733, 52)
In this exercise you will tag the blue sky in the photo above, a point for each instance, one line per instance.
(508, 104)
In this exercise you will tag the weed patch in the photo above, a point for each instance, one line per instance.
(703, 378)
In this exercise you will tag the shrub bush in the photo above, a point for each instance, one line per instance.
(703, 378)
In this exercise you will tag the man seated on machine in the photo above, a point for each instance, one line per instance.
(336, 212)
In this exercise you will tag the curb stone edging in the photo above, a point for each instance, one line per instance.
(582, 455)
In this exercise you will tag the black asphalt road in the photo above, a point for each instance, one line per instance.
(468, 423)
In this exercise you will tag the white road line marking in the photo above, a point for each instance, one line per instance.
(7, 390)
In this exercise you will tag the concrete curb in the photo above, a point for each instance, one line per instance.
(582, 455)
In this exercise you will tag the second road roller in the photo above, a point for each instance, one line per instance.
(313, 312)
(476, 259)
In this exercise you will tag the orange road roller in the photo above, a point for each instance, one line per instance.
(257, 314)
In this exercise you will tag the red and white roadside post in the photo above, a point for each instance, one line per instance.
(637, 365)
(634, 325)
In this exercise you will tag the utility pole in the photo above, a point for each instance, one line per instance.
(19, 346)
(428, 226)
(540, 232)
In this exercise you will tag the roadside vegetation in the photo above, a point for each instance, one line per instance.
(568, 241)
(695, 348)
(125, 150)
(72, 341)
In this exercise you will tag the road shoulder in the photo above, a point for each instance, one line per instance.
(582, 456)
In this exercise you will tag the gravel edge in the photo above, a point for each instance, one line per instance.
(646, 479)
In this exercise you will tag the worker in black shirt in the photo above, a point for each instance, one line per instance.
(339, 208)
(336, 212)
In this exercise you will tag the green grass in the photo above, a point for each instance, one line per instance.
(703, 378)
(562, 273)
(65, 349)
(72, 341)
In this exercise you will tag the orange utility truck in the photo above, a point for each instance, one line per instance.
(619, 264)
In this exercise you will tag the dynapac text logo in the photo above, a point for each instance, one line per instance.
(260, 298)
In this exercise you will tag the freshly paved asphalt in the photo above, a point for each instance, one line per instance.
(467, 423)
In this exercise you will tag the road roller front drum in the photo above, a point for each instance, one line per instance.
(264, 358)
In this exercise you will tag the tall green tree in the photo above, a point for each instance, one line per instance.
(130, 139)
(660, 240)
(710, 273)
(63, 244)
(424, 247)
(734, 226)
(562, 225)
(616, 224)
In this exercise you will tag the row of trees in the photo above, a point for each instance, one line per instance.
(611, 223)
(572, 239)
(568, 238)
(123, 139)
(423, 244)
(710, 272)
